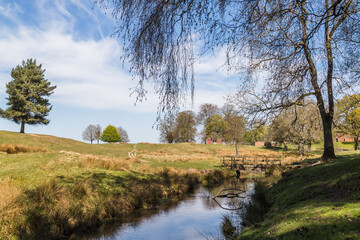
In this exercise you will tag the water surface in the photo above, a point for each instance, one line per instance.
(197, 216)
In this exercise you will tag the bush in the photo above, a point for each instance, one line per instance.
(110, 134)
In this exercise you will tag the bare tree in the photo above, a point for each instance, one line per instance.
(303, 46)
(124, 135)
(89, 134)
(98, 132)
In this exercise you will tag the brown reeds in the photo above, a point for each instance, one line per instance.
(62, 206)
(89, 161)
(13, 149)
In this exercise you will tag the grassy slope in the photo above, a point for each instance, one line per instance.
(318, 202)
(73, 185)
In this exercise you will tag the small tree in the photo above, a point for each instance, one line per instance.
(124, 135)
(89, 134)
(98, 133)
(235, 130)
(27, 92)
(110, 134)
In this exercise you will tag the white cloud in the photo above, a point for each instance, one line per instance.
(88, 72)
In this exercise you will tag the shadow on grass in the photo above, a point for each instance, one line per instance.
(319, 202)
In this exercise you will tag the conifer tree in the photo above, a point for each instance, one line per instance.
(27, 92)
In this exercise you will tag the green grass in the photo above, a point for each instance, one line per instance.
(318, 202)
(74, 186)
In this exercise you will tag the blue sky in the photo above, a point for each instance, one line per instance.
(72, 39)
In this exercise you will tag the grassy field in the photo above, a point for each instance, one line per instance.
(316, 202)
(51, 187)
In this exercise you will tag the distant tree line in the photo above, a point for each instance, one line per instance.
(223, 124)
(110, 134)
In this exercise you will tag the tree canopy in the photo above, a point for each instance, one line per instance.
(185, 127)
(349, 116)
(110, 134)
(305, 48)
(27, 94)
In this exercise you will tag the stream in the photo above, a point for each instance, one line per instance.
(196, 216)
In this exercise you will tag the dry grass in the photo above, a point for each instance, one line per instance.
(90, 162)
(13, 149)
(10, 210)
(161, 156)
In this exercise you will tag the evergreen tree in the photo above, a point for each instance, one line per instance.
(27, 92)
(110, 134)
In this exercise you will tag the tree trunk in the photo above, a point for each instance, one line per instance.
(236, 149)
(329, 152)
(309, 146)
(22, 129)
(356, 140)
(301, 148)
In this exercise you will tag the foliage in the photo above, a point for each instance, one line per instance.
(235, 130)
(302, 47)
(27, 92)
(110, 134)
(206, 111)
(257, 133)
(216, 127)
(124, 135)
(299, 124)
(349, 116)
(185, 127)
(167, 129)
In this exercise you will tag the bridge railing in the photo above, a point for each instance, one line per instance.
(233, 161)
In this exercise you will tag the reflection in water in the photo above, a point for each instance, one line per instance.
(194, 217)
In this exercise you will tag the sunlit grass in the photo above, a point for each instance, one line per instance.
(319, 202)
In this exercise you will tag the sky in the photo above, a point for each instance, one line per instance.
(73, 41)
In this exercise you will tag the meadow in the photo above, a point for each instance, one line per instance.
(53, 187)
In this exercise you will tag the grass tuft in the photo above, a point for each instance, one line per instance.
(14, 149)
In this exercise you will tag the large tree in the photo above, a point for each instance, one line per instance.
(27, 95)
(302, 45)
(349, 116)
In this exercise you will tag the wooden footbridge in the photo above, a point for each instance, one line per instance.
(249, 163)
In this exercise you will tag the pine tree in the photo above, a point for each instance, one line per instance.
(27, 92)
